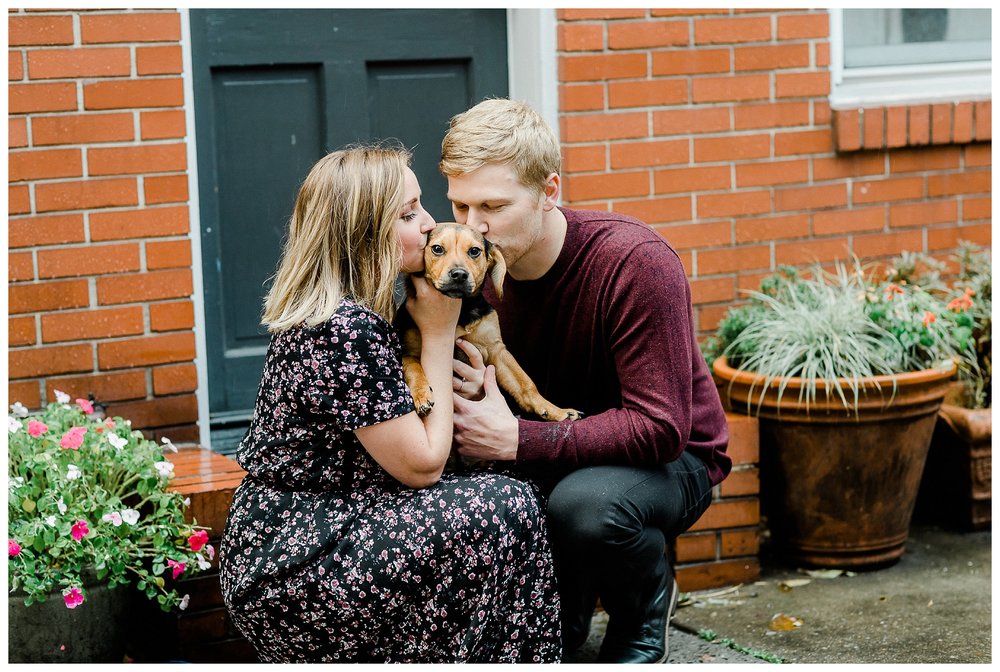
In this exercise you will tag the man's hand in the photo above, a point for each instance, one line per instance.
(486, 429)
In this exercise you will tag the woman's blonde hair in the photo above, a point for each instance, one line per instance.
(499, 130)
(342, 240)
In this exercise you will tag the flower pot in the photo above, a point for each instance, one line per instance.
(838, 485)
(49, 632)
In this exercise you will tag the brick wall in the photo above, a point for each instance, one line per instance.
(100, 276)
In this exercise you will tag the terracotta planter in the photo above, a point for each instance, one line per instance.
(838, 487)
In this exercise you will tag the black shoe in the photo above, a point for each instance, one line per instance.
(647, 642)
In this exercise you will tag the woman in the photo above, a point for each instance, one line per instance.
(344, 541)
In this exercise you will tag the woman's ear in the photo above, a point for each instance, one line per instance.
(497, 268)
(551, 191)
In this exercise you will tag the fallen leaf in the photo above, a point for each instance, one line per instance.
(781, 622)
(931, 603)
(786, 586)
(826, 573)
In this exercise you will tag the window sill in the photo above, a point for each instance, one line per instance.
(911, 125)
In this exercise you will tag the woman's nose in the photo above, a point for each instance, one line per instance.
(428, 224)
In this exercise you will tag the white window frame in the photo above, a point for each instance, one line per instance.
(852, 88)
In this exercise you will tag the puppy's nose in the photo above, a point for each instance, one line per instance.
(458, 274)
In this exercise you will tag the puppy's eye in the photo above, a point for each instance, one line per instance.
(474, 252)
(437, 250)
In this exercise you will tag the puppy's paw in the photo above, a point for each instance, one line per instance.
(573, 414)
(555, 414)
(424, 401)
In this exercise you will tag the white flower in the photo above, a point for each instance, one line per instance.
(72, 473)
(187, 501)
(203, 564)
(184, 602)
(210, 550)
(117, 441)
(13, 424)
(130, 516)
(19, 410)
(168, 445)
(114, 518)
(61, 505)
(51, 521)
(165, 469)
(62, 397)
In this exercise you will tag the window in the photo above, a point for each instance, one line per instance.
(899, 56)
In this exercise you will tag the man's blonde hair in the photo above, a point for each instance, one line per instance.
(342, 240)
(501, 131)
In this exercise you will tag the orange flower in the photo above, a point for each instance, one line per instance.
(962, 303)
(891, 290)
(929, 318)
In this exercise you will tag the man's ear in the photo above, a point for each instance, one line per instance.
(497, 268)
(551, 191)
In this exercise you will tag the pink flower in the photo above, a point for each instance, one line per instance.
(892, 290)
(13, 548)
(73, 598)
(73, 438)
(110, 423)
(178, 567)
(80, 530)
(198, 539)
(87, 407)
(36, 428)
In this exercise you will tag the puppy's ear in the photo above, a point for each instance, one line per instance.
(497, 268)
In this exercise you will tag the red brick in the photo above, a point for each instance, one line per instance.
(691, 61)
(144, 27)
(941, 123)
(730, 88)
(580, 37)
(741, 482)
(729, 513)
(847, 129)
(948, 238)
(732, 148)
(91, 324)
(138, 159)
(657, 210)
(36, 361)
(976, 208)
(688, 121)
(133, 93)
(18, 200)
(895, 126)
(162, 124)
(89, 260)
(732, 259)
(39, 30)
(584, 158)
(708, 290)
(708, 318)
(770, 115)
(739, 542)
(20, 266)
(50, 230)
(105, 387)
(979, 155)
(771, 228)
(595, 14)
(171, 316)
(873, 122)
(810, 252)
(887, 244)
(167, 189)
(959, 183)
(85, 195)
(773, 172)
(802, 142)
(144, 223)
(68, 63)
(601, 67)
(731, 31)
(802, 26)
(984, 125)
(15, 65)
(822, 114)
(158, 60)
(646, 34)
(718, 574)
(892, 189)
(146, 351)
(581, 97)
(676, 180)
(168, 254)
(690, 547)
(648, 153)
(848, 221)
(82, 129)
(592, 127)
(735, 204)
(811, 198)
(44, 164)
(27, 392)
(610, 185)
(925, 159)
(822, 54)
(647, 93)
(160, 412)
(848, 165)
(17, 132)
(798, 85)
(150, 286)
(771, 57)
(962, 131)
(46, 296)
(47, 97)
(174, 379)
(691, 236)
(20, 331)
(920, 124)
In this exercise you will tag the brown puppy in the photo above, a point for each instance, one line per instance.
(457, 260)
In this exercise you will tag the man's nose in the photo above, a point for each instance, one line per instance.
(477, 221)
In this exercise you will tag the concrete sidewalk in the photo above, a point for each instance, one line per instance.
(933, 606)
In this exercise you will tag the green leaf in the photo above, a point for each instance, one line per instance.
(28, 505)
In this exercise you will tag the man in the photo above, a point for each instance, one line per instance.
(597, 310)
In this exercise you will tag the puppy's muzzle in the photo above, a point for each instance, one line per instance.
(456, 283)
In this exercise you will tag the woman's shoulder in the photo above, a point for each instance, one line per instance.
(356, 320)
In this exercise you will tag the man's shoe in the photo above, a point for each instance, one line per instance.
(648, 642)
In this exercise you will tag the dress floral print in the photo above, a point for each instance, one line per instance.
(326, 557)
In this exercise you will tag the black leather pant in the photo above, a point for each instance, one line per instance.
(609, 526)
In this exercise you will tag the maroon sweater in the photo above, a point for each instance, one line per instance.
(608, 330)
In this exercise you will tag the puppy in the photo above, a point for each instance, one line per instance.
(457, 260)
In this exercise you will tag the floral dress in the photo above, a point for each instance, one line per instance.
(326, 557)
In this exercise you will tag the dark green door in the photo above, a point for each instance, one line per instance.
(277, 89)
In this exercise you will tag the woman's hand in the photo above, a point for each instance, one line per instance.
(435, 314)
(468, 380)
